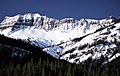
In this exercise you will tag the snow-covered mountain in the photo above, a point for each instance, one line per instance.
(73, 40)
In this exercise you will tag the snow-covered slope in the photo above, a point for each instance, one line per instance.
(69, 39)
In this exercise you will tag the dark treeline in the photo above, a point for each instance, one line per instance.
(57, 68)
(39, 63)
(35, 52)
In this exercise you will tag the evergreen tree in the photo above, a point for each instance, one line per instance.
(69, 71)
(39, 66)
(118, 74)
(24, 70)
(113, 70)
(73, 70)
(59, 73)
(49, 73)
(89, 72)
(29, 69)
(10, 70)
(43, 72)
(17, 71)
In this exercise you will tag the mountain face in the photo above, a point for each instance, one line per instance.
(73, 40)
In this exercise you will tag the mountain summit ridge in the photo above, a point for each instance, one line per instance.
(73, 40)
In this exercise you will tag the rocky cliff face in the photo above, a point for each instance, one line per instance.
(73, 40)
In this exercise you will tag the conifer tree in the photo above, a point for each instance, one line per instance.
(59, 73)
(69, 71)
(89, 72)
(17, 71)
(24, 70)
(39, 66)
(43, 72)
(10, 70)
(49, 73)
(118, 72)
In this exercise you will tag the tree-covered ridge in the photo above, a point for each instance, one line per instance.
(8, 45)
(39, 63)
(57, 68)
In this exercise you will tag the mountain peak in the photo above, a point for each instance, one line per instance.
(73, 40)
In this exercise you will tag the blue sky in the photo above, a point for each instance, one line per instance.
(61, 8)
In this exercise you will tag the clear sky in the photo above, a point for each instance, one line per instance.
(61, 8)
